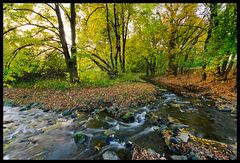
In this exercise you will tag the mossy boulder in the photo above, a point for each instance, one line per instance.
(128, 117)
(66, 112)
(79, 137)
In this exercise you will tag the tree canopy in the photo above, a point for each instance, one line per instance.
(117, 38)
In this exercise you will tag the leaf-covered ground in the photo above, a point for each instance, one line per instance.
(202, 149)
(191, 84)
(123, 95)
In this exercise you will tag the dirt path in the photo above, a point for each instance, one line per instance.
(224, 93)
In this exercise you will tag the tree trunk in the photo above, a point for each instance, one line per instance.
(147, 70)
(116, 26)
(181, 70)
(213, 24)
(185, 60)
(218, 71)
(153, 65)
(73, 71)
(224, 65)
(109, 37)
(229, 68)
(124, 36)
(175, 70)
(73, 63)
(204, 75)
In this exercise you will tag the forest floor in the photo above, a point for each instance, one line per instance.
(223, 93)
(85, 99)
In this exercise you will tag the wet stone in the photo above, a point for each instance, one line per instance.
(151, 151)
(50, 122)
(67, 112)
(110, 155)
(30, 106)
(109, 132)
(9, 103)
(128, 117)
(79, 137)
(184, 137)
(110, 138)
(162, 127)
(225, 110)
(46, 110)
(174, 140)
(192, 156)
(180, 126)
(129, 145)
(176, 157)
(73, 115)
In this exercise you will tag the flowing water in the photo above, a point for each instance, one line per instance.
(35, 134)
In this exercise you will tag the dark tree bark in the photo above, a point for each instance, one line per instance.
(204, 75)
(151, 65)
(73, 61)
(213, 24)
(229, 67)
(109, 37)
(117, 35)
(171, 54)
(148, 66)
(71, 64)
(124, 35)
(224, 65)
(147, 70)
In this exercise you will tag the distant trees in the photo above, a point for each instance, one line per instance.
(119, 37)
(115, 19)
(221, 42)
(54, 39)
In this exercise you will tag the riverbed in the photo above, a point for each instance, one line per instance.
(38, 134)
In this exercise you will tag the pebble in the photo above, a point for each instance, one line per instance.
(110, 155)
(174, 140)
(176, 157)
(184, 137)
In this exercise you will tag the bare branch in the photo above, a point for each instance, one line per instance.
(65, 11)
(16, 52)
(39, 15)
(9, 30)
(92, 13)
(50, 6)
(109, 37)
(194, 26)
(98, 57)
(37, 25)
(99, 65)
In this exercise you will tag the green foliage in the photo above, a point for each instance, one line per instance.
(223, 39)
(8, 77)
(101, 79)
(152, 28)
(128, 77)
(56, 84)
(95, 78)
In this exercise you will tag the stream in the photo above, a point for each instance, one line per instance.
(37, 134)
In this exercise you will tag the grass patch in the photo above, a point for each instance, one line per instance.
(101, 79)
(97, 79)
(55, 84)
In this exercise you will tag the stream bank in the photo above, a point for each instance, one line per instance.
(222, 93)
